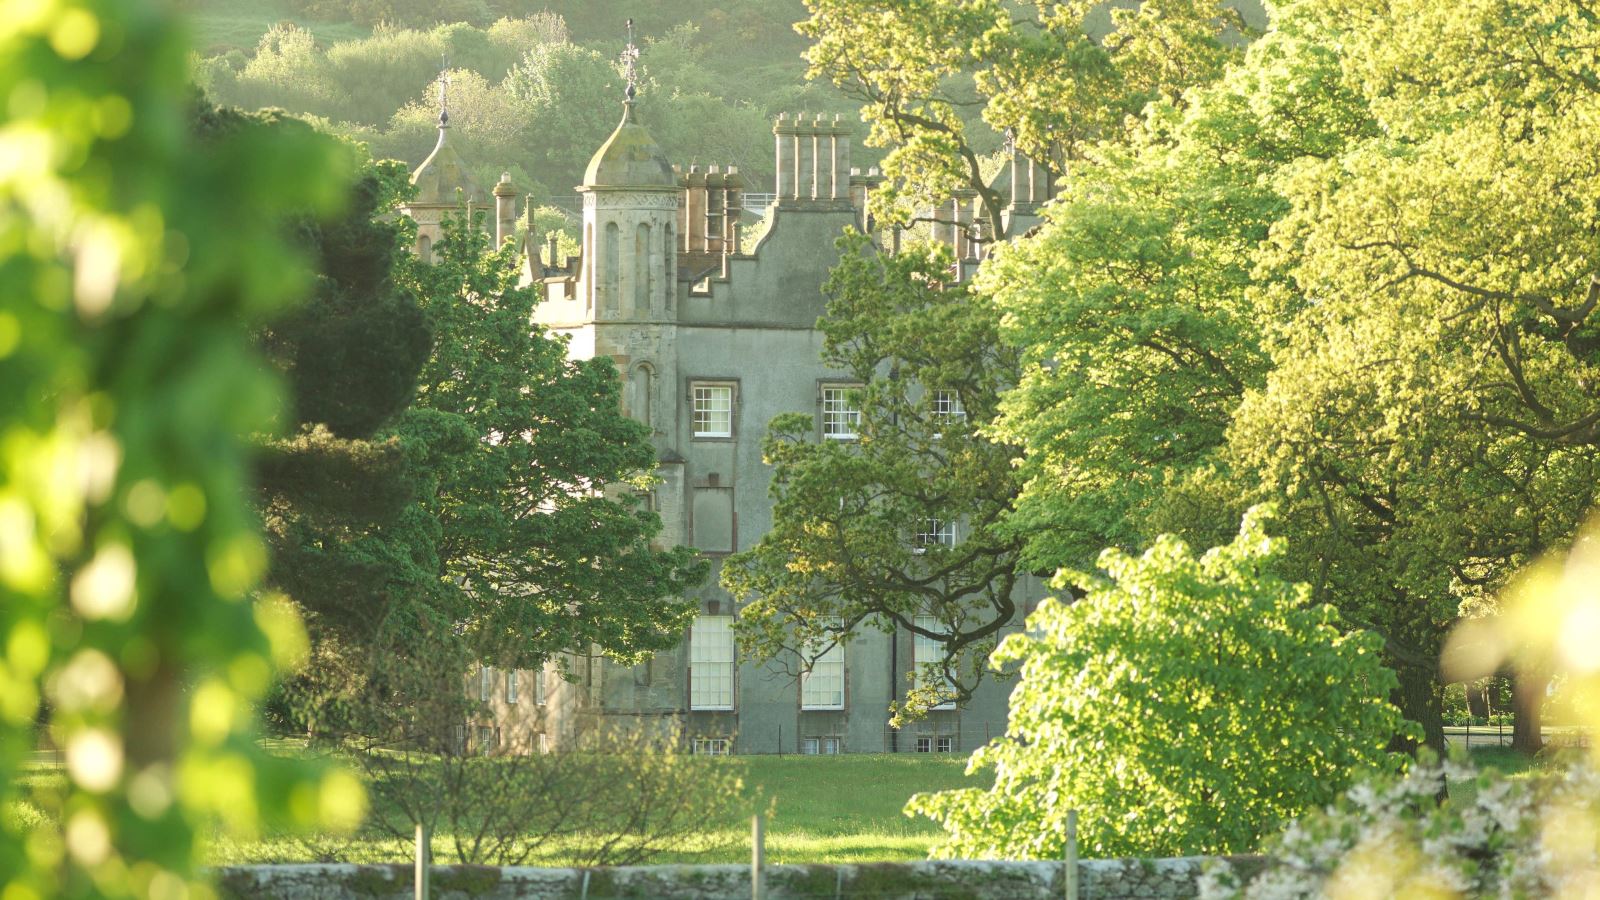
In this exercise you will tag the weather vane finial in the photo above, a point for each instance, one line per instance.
(630, 59)
(444, 91)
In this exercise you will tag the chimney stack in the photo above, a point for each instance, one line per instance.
(708, 218)
(505, 213)
(813, 160)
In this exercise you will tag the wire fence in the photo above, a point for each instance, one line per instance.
(1481, 736)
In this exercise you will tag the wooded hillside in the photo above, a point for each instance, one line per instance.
(532, 93)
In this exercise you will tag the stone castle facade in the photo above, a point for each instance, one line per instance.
(711, 343)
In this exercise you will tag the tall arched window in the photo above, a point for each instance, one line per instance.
(641, 388)
(589, 264)
(425, 249)
(642, 282)
(613, 270)
(670, 268)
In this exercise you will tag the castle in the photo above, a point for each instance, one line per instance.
(711, 343)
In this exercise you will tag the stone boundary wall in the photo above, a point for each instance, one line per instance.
(1115, 879)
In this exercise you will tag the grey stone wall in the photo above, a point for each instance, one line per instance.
(1117, 879)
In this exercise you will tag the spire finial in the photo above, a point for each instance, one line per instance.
(444, 92)
(630, 59)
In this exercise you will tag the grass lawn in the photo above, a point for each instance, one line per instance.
(833, 809)
(1504, 759)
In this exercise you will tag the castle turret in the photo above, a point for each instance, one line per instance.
(630, 208)
(443, 185)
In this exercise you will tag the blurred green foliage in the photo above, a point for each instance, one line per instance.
(136, 256)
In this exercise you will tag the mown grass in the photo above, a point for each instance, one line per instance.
(1505, 760)
(850, 808)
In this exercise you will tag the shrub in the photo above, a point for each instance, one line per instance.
(1182, 706)
(1513, 838)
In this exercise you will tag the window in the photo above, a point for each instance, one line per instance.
(924, 745)
(543, 743)
(538, 687)
(511, 686)
(710, 747)
(822, 685)
(947, 406)
(944, 744)
(934, 532)
(819, 746)
(488, 738)
(841, 418)
(928, 650)
(713, 410)
(711, 663)
(485, 683)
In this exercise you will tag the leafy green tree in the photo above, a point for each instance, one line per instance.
(1177, 371)
(906, 520)
(571, 91)
(1435, 408)
(130, 557)
(1141, 327)
(331, 489)
(1183, 706)
(531, 529)
(1146, 310)
(925, 72)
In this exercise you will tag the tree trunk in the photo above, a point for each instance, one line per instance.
(1419, 700)
(1527, 702)
(1477, 700)
(154, 707)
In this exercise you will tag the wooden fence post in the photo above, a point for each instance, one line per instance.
(424, 851)
(758, 853)
(1071, 855)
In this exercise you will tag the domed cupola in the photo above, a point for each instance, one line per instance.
(630, 158)
(630, 209)
(443, 178)
(443, 183)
